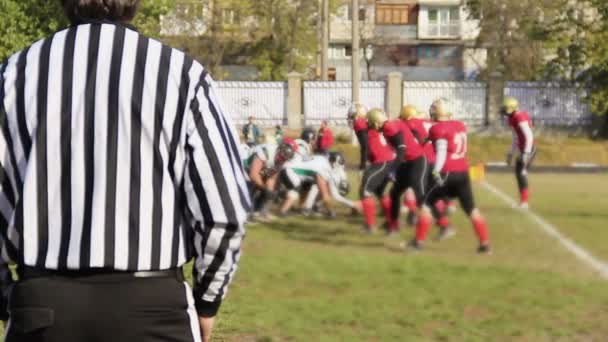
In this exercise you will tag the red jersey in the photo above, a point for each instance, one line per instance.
(455, 133)
(325, 140)
(420, 128)
(514, 121)
(360, 124)
(413, 148)
(379, 150)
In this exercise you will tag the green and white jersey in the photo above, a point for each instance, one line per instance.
(304, 149)
(265, 152)
(308, 169)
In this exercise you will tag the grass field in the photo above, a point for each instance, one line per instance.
(317, 280)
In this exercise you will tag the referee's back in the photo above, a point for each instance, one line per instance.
(116, 158)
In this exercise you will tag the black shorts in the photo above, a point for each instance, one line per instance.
(457, 185)
(114, 307)
(375, 179)
(412, 174)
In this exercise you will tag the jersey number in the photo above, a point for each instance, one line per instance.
(382, 140)
(460, 140)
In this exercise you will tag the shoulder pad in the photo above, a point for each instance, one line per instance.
(391, 128)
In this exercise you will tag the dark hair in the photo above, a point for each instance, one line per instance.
(113, 10)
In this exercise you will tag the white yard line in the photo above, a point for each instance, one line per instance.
(582, 254)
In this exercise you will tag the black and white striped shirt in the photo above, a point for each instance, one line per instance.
(116, 153)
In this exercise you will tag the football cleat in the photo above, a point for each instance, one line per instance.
(445, 233)
(411, 218)
(484, 249)
(414, 246)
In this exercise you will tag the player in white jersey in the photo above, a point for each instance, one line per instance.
(326, 179)
(263, 167)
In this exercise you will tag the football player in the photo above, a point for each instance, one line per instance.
(263, 166)
(420, 129)
(381, 156)
(306, 143)
(357, 118)
(523, 142)
(411, 171)
(324, 176)
(450, 175)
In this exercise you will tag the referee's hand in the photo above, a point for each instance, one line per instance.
(206, 327)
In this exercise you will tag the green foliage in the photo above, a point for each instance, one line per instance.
(579, 39)
(147, 19)
(515, 35)
(25, 21)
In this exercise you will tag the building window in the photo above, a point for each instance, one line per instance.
(338, 52)
(345, 13)
(444, 22)
(348, 51)
(392, 14)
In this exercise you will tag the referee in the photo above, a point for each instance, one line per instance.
(117, 167)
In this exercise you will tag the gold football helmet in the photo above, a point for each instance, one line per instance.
(408, 112)
(440, 110)
(376, 118)
(510, 105)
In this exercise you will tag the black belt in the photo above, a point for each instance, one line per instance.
(27, 272)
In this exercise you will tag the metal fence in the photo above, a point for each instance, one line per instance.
(551, 104)
(330, 100)
(469, 99)
(266, 101)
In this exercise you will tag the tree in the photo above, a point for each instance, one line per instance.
(24, 22)
(514, 35)
(579, 40)
(287, 37)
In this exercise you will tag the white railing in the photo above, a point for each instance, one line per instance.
(331, 100)
(266, 101)
(468, 99)
(552, 104)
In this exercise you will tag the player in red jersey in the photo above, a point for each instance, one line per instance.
(357, 118)
(523, 141)
(450, 175)
(376, 176)
(420, 128)
(412, 166)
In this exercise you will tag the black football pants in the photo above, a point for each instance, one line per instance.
(102, 308)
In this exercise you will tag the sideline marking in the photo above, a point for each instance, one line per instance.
(581, 253)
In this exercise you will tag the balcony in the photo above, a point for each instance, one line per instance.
(450, 30)
(395, 33)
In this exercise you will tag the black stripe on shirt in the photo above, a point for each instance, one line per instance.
(158, 169)
(89, 143)
(112, 141)
(136, 117)
(176, 136)
(24, 133)
(66, 146)
(41, 153)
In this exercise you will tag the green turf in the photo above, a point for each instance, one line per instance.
(576, 204)
(317, 280)
(554, 150)
(313, 280)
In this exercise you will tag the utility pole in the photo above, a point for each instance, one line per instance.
(356, 59)
(325, 40)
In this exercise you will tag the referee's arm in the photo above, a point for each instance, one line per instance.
(216, 194)
(7, 204)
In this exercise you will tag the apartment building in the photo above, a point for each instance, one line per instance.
(425, 40)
